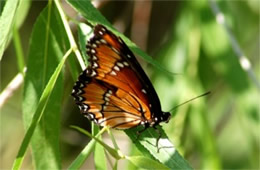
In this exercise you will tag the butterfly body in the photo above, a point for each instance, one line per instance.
(114, 90)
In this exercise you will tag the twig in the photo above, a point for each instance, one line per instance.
(11, 87)
(70, 35)
(243, 60)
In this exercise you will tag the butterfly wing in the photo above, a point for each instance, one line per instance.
(114, 90)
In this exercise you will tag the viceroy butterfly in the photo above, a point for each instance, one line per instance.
(114, 90)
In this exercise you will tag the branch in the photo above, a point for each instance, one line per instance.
(243, 60)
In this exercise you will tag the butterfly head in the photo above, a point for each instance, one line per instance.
(164, 117)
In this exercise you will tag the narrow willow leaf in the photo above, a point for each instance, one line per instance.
(38, 113)
(145, 163)
(47, 46)
(22, 12)
(6, 22)
(99, 152)
(81, 158)
(167, 154)
(113, 152)
(78, 162)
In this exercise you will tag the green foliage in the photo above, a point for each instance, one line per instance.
(6, 21)
(43, 92)
(81, 158)
(219, 131)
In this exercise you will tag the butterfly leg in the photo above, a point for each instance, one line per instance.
(158, 138)
(138, 133)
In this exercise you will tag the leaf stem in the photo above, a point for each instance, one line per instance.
(114, 152)
(70, 35)
(112, 138)
(18, 49)
(77, 163)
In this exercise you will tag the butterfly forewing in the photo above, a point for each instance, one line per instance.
(118, 65)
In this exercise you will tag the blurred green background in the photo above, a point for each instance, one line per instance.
(219, 131)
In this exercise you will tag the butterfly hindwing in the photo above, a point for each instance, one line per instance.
(106, 105)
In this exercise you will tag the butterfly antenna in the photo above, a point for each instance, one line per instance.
(204, 94)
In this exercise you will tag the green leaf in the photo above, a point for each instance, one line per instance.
(84, 154)
(113, 152)
(88, 11)
(78, 162)
(167, 154)
(47, 46)
(99, 152)
(6, 22)
(22, 12)
(39, 113)
(146, 163)
(84, 32)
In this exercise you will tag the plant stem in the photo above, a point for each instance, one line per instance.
(243, 60)
(18, 49)
(70, 35)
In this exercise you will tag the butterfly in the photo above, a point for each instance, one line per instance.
(114, 90)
